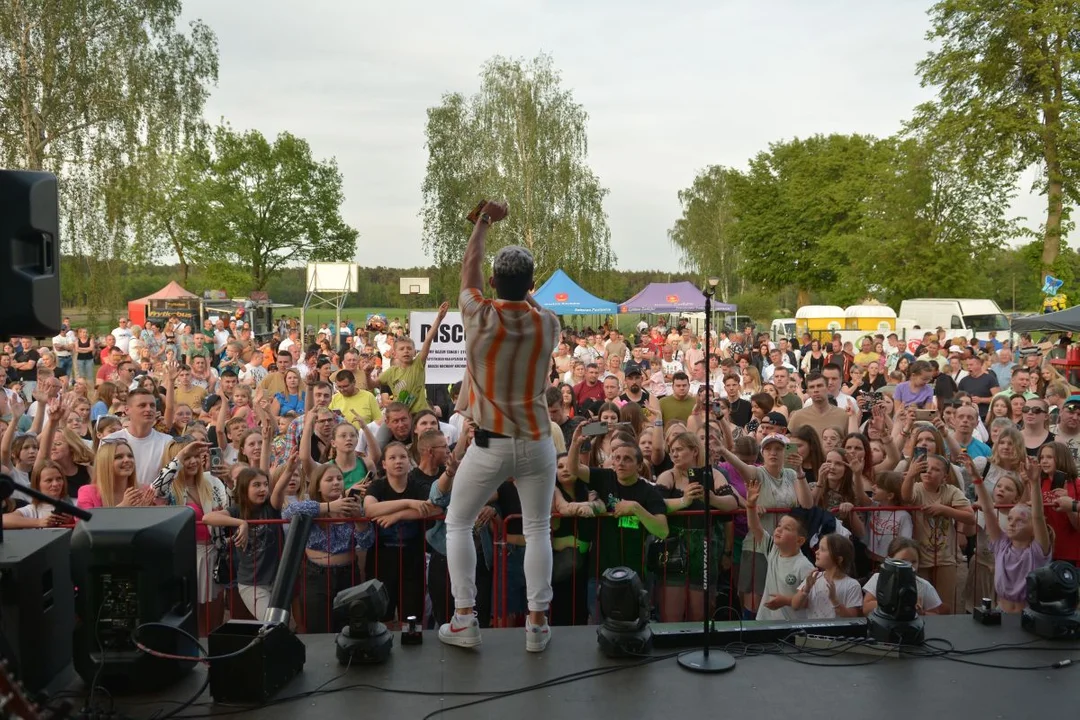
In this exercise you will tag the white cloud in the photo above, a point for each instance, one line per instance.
(669, 87)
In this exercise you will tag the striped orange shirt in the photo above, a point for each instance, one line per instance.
(508, 357)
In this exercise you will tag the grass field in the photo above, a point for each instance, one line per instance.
(317, 316)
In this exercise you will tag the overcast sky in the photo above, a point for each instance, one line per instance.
(670, 87)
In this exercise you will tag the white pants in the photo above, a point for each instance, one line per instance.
(256, 599)
(532, 465)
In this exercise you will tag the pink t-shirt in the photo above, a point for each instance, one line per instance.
(89, 497)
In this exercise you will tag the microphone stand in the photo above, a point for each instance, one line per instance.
(8, 486)
(706, 660)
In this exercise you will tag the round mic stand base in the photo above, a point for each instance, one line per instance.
(713, 661)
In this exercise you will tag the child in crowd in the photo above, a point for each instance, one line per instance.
(331, 546)
(906, 550)
(1007, 491)
(835, 490)
(787, 566)
(884, 526)
(1059, 480)
(257, 498)
(406, 377)
(1021, 547)
(656, 384)
(944, 511)
(828, 592)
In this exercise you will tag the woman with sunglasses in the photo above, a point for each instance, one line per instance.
(1036, 430)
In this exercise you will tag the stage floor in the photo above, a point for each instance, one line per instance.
(422, 680)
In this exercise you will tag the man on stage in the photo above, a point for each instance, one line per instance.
(509, 342)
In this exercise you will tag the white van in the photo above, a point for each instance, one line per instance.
(965, 316)
(782, 328)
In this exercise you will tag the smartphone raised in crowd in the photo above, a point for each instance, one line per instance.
(594, 429)
(919, 454)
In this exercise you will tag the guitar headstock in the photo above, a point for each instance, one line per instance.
(14, 704)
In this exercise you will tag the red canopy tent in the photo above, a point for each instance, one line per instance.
(170, 301)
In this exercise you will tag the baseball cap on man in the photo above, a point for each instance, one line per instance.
(634, 371)
(775, 418)
(1073, 400)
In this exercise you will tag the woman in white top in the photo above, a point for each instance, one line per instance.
(48, 478)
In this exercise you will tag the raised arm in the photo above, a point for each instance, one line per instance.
(986, 504)
(472, 266)
(421, 357)
(171, 370)
(219, 424)
(371, 444)
(17, 410)
(572, 456)
(267, 428)
(753, 492)
(278, 487)
(57, 414)
(1038, 513)
(915, 468)
(307, 463)
(747, 472)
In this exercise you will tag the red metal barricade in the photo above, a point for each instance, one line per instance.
(961, 582)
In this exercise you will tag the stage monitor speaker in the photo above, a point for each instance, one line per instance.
(133, 566)
(29, 254)
(38, 603)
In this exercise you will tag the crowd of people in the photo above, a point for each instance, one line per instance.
(956, 455)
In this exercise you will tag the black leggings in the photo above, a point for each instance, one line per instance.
(321, 584)
(401, 569)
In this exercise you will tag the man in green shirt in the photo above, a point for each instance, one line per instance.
(680, 404)
(405, 379)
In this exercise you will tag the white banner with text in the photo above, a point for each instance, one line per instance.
(446, 360)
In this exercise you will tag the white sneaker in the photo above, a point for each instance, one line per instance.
(462, 630)
(537, 637)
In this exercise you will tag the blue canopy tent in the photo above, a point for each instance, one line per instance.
(563, 296)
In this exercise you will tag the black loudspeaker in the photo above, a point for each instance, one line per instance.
(133, 566)
(29, 254)
(273, 656)
(38, 603)
(264, 655)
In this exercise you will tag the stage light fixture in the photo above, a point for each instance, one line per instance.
(1053, 593)
(365, 640)
(624, 614)
(896, 619)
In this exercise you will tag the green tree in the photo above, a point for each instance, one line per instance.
(924, 226)
(1008, 96)
(705, 234)
(800, 210)
(86, 88)
(263, 206)
(523, 138)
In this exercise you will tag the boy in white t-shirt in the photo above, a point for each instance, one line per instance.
(787, 566)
